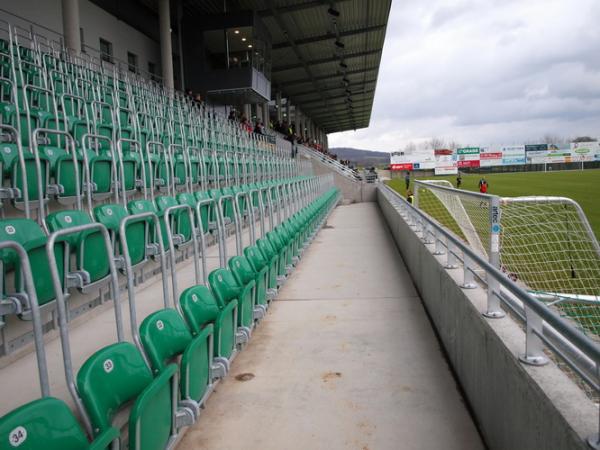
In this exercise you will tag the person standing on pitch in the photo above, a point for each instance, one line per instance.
(407, 179)
(483, 186)
(458, 181)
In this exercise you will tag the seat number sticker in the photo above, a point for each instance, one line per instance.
(17, 436)
(68, 219)
(108, 365)
(194, 298)
(160, 325)
(7, 150)
(10, 229)
(109, 212)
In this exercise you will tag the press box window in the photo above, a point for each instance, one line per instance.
(106, 51)
(132, 61)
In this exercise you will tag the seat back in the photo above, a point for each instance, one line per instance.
(224, 286)
(89, 245)
(241, 270)
(164, 335)
(136, 232)
(46, 423)
(199, 307)
(110, 378)
(29, 234)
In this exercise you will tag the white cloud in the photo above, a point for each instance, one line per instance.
(481, 71)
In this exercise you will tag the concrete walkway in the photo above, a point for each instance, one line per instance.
(345, 359)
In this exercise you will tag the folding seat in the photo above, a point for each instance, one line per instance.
(207, 213)
(65, 165)
(201, 309)
(48, 423)
(140, 242)
(274, 259)
(281, 247)
(100, 166)
(179, 161)
(226, 289)
(244, 275)
(263, 268)
(166, 337)
(28, 233)
(117, 375)
(91, 265)
(180, 221)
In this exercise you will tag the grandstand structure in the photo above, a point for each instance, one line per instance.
(172, 280)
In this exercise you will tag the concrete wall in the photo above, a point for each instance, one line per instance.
(46, 17)
(515, 406)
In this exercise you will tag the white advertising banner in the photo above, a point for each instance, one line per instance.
(513, 154)
(445, 162)
(584, 151)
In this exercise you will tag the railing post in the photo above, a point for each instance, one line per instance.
(450, 256)
(534, 348)
(426, 234)
(594, 440)
(439, 248)
(468, 276)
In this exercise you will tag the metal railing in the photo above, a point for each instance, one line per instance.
(334, 164)
(544, 328)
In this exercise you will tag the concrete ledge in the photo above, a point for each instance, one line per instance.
(515, 406)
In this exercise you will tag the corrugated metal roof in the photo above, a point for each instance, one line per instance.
(308, 66)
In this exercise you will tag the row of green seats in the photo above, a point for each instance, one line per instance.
(117, 375)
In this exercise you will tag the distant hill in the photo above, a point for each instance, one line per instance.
(362, 157)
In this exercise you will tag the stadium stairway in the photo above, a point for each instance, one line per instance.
(346, 358)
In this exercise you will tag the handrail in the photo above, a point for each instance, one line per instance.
(536, 312)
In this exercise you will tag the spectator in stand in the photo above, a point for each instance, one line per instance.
(246, 124)
(232, 116)
(198, 99)
(259, 127)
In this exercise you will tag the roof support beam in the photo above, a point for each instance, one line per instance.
(297, 7)
(368, 91)
(328, 36)
(331, 88)
(325, 60)
(329, 77)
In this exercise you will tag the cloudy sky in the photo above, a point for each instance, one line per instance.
(485, 71)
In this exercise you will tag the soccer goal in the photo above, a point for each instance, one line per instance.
(545, 244)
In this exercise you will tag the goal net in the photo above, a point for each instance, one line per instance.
(545, 244)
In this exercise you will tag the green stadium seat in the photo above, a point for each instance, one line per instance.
(117, 375)
(29, 234)
(201, 309)
(226, 289)
(92, 268)
(48, 423)
(165, 337)
(244, 275)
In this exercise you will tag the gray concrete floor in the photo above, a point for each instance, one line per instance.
(345, 359)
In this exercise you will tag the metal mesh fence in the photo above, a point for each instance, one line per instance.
(546, 245)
